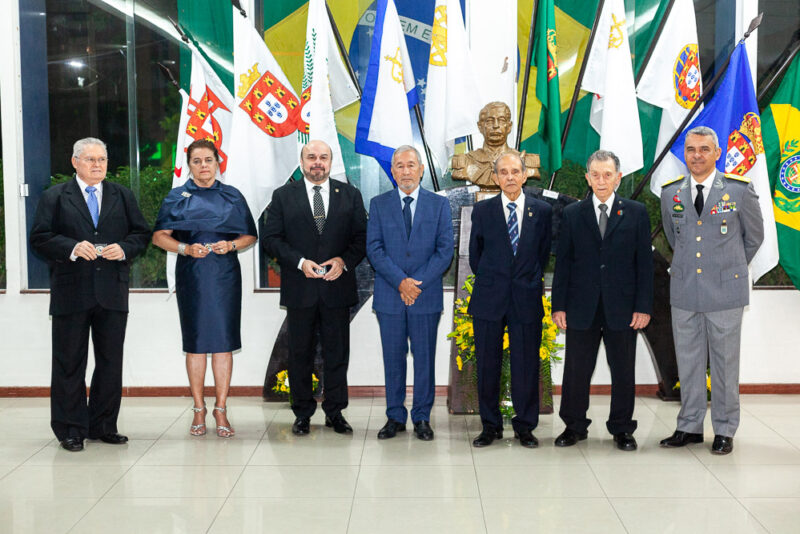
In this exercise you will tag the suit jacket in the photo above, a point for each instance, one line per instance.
(507, 284)
(62, 220)
(712, 251)
(424, 255)
(290, 234)
(617, 267)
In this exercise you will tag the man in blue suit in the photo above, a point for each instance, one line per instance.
(602, 288)
(509, 247)
(410, 246)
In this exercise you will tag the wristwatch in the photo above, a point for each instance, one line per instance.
(233, 245)
(182, 249)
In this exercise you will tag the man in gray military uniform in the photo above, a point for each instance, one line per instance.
(713, 223)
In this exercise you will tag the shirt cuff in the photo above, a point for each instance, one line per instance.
(300, 265)
(72, 255)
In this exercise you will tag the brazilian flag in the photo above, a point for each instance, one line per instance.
(545, 58)
(781, 130)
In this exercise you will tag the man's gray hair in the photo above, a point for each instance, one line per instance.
(705, 131)
(603, 155)
(406, 148)
(514, 154)
(81, 144)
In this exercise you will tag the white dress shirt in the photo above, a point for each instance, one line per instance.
(707, 183)
(609, 203)
(413, 206)
(325, 193)
(98, 193)
(520, 203)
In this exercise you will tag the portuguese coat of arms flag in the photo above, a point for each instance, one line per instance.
(781, 130)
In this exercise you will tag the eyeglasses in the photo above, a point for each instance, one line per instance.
(92, 161)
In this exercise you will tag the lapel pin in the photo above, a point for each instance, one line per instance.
(619, 212)
(726, 197)
(336, 190)
(186, 194)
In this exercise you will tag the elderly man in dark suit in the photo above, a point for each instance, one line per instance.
(317, 229)
(602, 289)
(89, 231)
(713, 223)
(508, 249)
(410, 246)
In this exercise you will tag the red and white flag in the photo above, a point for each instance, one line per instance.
(266, 115)
(206, 113)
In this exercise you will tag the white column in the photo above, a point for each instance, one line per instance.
(13, 165)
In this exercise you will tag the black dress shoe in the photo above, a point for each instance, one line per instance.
(339, 424)
(527, 439)
(722, 445)
(301, 426)
(72, 444)
(423, 430)
(390, 429)
(681, 439)
(625, 441)
(113, 438)
(487, 437)
(568, 438)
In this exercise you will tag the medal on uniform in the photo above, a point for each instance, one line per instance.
(677, 208)
(724, 228)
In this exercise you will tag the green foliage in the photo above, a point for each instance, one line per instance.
(154, 184)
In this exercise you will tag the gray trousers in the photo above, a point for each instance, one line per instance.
(713, 337)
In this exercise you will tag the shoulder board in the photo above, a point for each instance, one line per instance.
(678, 179)
(737, 178)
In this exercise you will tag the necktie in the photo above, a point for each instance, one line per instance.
(603, 222)
(94, 209)
(513, 226)
(407, 214)
(319, 209)
(698, 200)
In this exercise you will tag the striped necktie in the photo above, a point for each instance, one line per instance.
(513, 226)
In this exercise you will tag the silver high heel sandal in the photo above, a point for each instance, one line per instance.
(198, 430)
(223, 431)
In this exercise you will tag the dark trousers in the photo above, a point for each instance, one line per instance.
(579, 364)
(70, 416)
(396, 331)
(333, 325)
(524, 342)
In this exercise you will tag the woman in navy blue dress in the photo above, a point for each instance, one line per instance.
(206, 223)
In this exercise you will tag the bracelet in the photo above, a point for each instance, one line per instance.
(233, 245)
(182, 249)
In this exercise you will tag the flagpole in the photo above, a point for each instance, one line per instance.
(779, 72)
(168, 74)
(434, 177)
(526, 79)
(689, 116)
(343, 51)
(654, 42)
(577, 90)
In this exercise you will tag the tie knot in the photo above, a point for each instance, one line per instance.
(512, 206)
(317, 188)
(91, 189)
(408, 200)
(603, 208)
(699, 188)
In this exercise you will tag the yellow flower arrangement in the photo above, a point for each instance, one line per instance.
(282, 382)
(464, 336)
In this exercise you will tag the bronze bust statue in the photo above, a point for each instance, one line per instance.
(494, 123)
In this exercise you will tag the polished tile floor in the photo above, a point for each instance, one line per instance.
(267, 480)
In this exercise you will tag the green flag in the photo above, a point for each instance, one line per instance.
(546, 63)
(781, 130)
